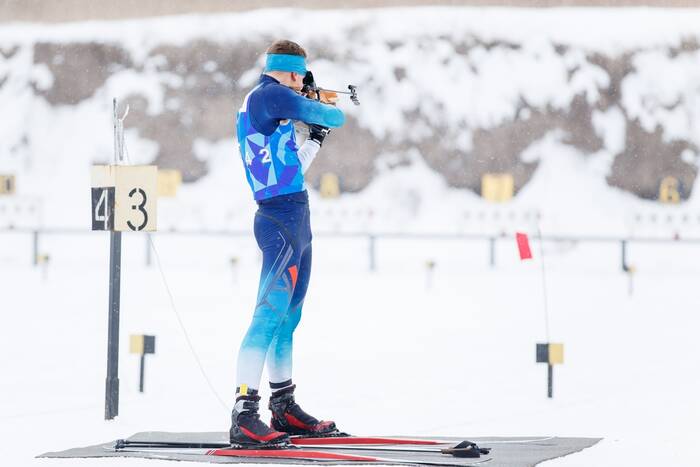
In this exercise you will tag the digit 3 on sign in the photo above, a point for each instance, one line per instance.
(140, 207)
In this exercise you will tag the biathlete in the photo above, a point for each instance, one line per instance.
(275, 167)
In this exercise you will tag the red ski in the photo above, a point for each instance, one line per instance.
(353, 443)
(334, 456)
(289, 454)
(366, 440)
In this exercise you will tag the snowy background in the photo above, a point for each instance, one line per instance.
(394, 351)
(530, 92)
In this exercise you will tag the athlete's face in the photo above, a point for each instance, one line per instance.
(296, 81)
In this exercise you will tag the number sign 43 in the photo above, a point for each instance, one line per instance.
(124, 198)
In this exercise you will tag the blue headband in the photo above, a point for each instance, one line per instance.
(283, 62)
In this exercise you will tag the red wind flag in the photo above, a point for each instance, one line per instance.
(523, 245)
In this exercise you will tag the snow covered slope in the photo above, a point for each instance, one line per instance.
(570, 101)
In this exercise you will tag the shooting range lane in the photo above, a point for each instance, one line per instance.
(506, 451)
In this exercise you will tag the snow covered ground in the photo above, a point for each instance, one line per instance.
(378, 352)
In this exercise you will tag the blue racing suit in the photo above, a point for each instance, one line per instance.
(275, 168)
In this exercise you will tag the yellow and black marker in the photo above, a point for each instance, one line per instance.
(142, 344)
(670, 190)
(551, 354)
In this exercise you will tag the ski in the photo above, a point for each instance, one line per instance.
(364, 440)
(369, 441)
(327, 455)
(463, 449)
(297, 441)
(288, 454)
(375, 441)
(296, 453)
(360, 443)
(124, 444)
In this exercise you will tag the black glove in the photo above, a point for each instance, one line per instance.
(317, 133)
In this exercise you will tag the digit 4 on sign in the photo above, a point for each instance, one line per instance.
(102, 208)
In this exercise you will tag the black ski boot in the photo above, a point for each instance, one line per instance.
(246, 428)
(288, 417)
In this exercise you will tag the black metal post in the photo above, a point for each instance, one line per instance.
(623, 245)
(550, 377)
(35, 247)
(372, 260)
(112, 386)
(492, 252)
(143, 362)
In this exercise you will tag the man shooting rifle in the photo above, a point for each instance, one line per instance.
(275, 165)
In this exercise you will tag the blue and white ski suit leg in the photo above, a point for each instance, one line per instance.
(275, 167)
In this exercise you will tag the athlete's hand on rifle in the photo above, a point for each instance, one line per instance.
(312, 91)
(327, 96)
(318, 133)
